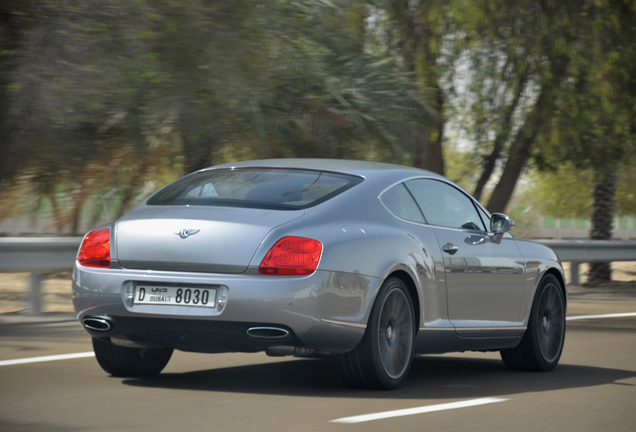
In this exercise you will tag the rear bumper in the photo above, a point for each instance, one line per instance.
(189, 334)
(326, 311)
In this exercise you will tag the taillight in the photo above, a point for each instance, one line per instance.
(292, 256)
(95, 249)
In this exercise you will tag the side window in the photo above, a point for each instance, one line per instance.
(444, 205)
(400, 202)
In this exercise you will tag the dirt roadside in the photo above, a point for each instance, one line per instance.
(57, 289)
(14, 293)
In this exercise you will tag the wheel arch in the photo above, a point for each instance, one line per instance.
(554, 272)
(412, 288)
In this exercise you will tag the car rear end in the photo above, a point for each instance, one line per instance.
(204, 266)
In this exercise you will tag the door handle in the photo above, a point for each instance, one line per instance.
(450, 248)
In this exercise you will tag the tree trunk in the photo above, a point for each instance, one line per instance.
(428, 154)
(56, 213)
(433, 156)
(414, 36)
(133, 185)
(520, 148)
(602, 218)
(519, 154)
(9, 39)
(79, 198)
(500, 139)
(433, 159)
(489, 167)
(197, 153)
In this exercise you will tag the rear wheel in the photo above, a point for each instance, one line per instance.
(383, 358)
(542, 344)
(130, 362)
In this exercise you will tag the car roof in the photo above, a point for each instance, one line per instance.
(355, 167)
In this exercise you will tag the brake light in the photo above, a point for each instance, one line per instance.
(292, 256)
(95, 249)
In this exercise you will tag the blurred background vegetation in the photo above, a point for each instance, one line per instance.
(101, 103)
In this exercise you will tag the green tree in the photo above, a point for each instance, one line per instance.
(424, 38)
(562, 192)
(593, 126)
(326, 95)
(493, 68)
(157, 82)
(518, 54)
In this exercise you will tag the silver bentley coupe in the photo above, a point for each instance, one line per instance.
(366, 262)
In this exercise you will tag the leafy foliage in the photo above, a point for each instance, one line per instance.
(136, 88)
(101, 103)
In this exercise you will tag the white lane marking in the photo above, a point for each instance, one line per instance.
(616, 315)
(419, 410)
(46, 358)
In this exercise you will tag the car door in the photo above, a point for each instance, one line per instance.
(484, 280)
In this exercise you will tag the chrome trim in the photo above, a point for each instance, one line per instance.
(343, 323)
(437, 329)
(426, 223)
(469, 329)
(476, 329)
(450, 248)
(185, 232)
(246, 167)
(105, 324)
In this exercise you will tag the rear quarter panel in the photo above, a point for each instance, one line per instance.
(360, 237)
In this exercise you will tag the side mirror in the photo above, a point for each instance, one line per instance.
(499, 225)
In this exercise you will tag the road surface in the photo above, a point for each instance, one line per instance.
(593, 388)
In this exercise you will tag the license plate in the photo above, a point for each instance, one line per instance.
(175, 296)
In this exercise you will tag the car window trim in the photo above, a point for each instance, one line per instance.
(443, 180)
(463, 192)
(412, 197)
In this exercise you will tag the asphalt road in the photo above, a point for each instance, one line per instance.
(593, 388)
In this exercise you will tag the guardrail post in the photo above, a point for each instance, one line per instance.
(574, 273)
(35, 293)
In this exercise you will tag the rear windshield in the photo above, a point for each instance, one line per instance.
(280, 189)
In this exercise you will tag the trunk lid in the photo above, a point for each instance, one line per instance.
(197, 239)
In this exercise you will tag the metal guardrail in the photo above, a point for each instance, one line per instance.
(37, 256)
(42, 255)
(592, 250)
(582, 251)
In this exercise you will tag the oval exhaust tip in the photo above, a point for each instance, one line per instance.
(267, 332)
(97, 324)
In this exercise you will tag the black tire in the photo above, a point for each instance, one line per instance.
(130, 362)
(383, 358)
(542, 344)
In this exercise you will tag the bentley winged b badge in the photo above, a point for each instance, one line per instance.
(185, 233)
